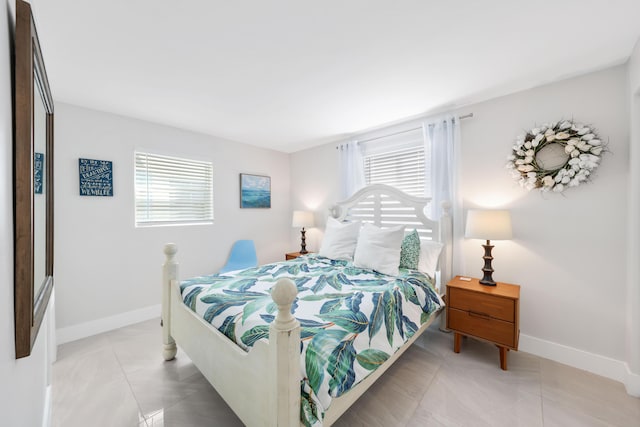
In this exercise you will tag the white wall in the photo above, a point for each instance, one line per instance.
(106, 267)
(633, 271)
(568, 252)
(23, 382)
(315, 186)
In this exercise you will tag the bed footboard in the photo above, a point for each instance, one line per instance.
(261, 386)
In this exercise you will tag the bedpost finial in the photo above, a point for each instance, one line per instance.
(170, 249)
(283, 294)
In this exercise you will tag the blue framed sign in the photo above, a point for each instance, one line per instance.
(96, 177)
(38, 164)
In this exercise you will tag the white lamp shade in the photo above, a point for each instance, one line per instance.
(302, 219)
(488, 225)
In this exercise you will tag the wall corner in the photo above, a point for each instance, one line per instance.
(632, 383)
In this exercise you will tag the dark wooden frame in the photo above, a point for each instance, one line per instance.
(29, 308)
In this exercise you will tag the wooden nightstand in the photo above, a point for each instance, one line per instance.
(491, 313)
(293, 255)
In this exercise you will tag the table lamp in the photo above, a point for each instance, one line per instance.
(488, 225)
(302, 219)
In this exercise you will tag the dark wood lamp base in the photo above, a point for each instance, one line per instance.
(303, 243)
(487, 270)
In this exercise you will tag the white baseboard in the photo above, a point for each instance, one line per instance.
(600, 365)
(632, 383)
(48, 408)
(94, 327)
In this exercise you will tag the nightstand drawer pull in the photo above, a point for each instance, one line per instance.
(481, 315)
(467, 300)
(488, 328)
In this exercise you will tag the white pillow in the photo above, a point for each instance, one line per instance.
(379, 249)
(429, 254)
(340, 239)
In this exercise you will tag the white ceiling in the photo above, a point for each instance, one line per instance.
(291, 74)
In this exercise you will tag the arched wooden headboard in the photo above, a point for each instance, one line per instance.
(386, 206)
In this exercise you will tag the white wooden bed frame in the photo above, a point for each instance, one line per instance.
(262, 386)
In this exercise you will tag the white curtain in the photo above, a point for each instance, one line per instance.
(442, 141)
(442, 138)
(351, 168)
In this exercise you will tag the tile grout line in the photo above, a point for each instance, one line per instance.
(198, 373)
(126, 378)
(426, 389)
(89, 352)
(144, 416)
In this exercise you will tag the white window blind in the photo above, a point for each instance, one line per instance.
(399, 160)
(171, 190)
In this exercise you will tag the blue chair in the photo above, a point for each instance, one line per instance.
(243, 255)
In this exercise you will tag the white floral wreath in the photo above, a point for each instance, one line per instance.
(581, 145)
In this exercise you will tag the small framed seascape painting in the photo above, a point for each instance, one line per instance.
(255, 191)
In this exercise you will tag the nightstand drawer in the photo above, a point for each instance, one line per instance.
(487, 304)
(481, 326)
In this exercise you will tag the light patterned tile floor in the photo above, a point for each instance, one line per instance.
(119, 379)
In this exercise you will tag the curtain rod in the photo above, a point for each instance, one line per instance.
(465, 116)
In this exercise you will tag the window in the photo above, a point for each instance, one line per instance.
(171, 190)
(399, 160)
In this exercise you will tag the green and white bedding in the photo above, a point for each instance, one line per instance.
(352, 319)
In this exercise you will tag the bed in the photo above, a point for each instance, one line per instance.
(266, 377)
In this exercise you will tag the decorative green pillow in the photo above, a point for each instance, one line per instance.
(410, 251)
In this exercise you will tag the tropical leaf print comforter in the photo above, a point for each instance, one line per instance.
(352, 319)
